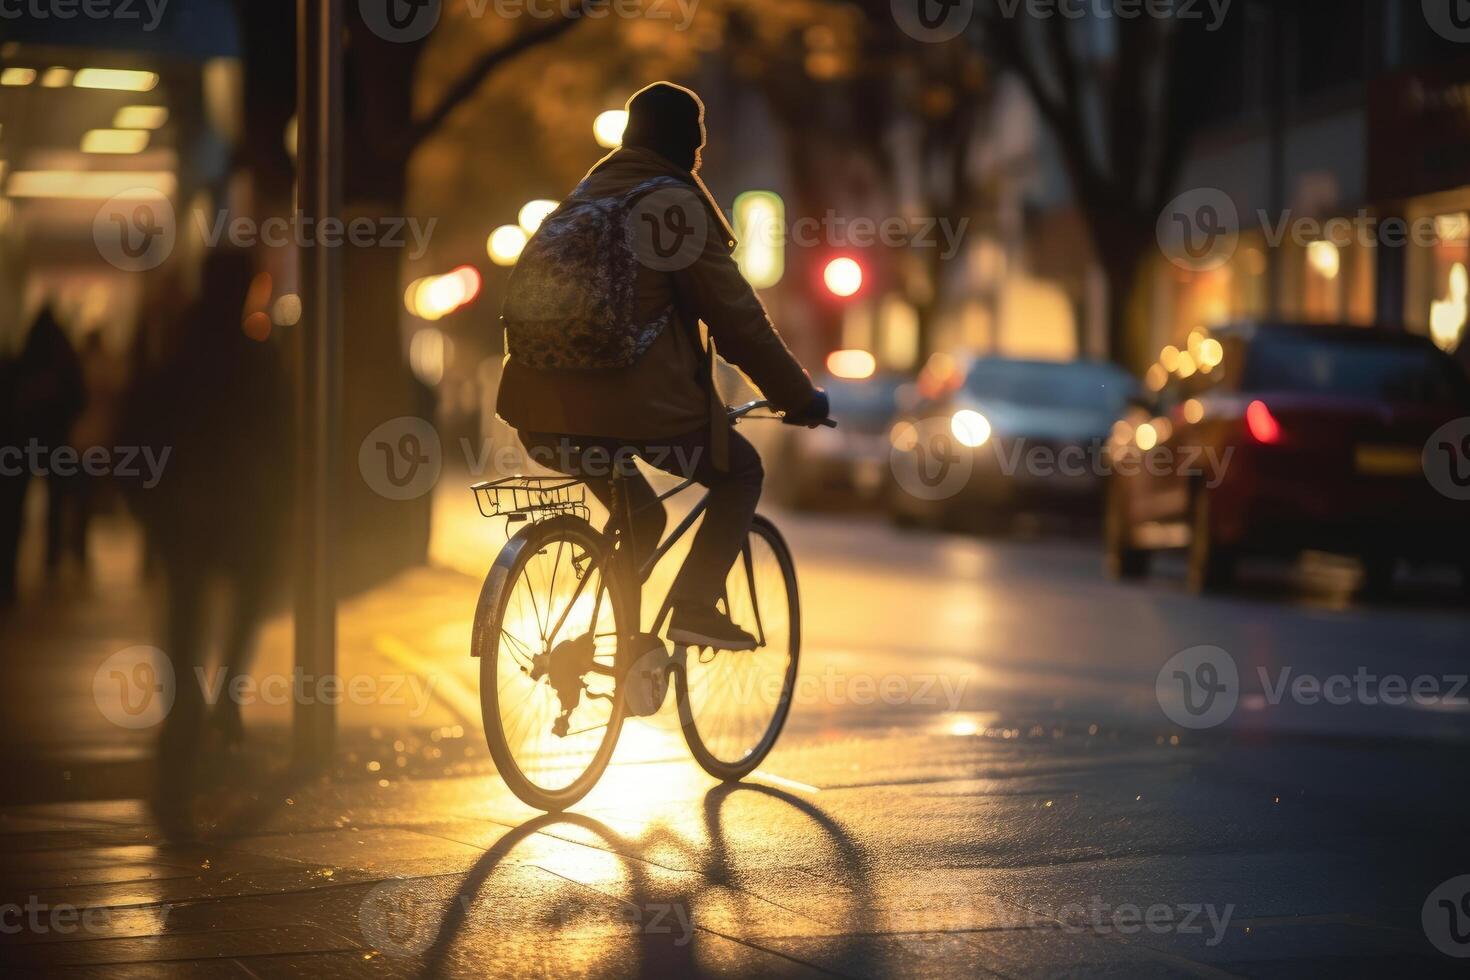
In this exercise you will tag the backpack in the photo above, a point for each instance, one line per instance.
(570, 303)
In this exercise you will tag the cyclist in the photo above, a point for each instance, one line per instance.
(664, 407)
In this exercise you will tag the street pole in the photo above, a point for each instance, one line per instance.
(319, 195)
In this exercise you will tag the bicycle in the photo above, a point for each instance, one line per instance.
(561, 671)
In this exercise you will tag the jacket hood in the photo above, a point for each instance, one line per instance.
(628, 166)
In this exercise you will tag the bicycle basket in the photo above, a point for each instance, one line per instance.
(534, 498)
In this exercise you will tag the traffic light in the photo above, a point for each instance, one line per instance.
(843, 277)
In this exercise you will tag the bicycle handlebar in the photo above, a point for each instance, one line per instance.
(739, 412)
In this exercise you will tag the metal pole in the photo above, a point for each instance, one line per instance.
(319, 183)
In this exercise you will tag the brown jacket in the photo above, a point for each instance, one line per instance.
(668, 391)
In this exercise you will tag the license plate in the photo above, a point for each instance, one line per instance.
(1388, 460)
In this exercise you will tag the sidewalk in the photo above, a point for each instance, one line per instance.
(898, 856)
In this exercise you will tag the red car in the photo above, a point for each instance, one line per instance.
(1276, 439)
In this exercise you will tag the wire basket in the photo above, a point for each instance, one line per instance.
(533, 498)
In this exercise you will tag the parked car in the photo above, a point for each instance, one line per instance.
(824, 467)
(1000, 436)
(1298, 437)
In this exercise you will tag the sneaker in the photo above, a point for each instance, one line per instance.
(705, 626)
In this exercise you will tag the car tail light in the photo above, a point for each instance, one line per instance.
(1262, 424)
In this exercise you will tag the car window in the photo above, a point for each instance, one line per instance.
(1087, 387)
(1353, 369)
(868, 401)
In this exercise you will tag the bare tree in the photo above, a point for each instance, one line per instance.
(1119, 95)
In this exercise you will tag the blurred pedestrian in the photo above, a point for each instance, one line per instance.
(45, 398)
(76, 495)
(220, 512)
(14, 476)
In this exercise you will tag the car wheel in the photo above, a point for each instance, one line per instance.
(1211, 565)
(1120, 559)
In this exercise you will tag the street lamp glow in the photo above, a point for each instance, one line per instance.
(970, 427)
(56, 78)
(533, 213)
(608, 127)
(506, 243)
(843, 276)
(17, 76)
(117, 79)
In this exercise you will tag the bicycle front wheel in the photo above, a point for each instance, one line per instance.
(732, 704)
(546, 632)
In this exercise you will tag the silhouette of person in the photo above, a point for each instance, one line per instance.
(46, 396)
(221, 509)
(664, 406)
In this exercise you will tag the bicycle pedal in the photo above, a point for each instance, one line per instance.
(646, 684)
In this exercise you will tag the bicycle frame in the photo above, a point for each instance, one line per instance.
(619, 528)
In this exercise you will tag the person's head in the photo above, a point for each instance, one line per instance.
(669, 120)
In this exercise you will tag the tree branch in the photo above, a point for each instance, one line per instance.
(491, 60)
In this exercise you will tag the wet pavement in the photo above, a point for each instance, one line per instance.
(978, 779)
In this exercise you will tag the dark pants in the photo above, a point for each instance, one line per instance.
(733, 496)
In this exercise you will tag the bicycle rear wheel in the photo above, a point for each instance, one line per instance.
(546, 632)
(732, 705)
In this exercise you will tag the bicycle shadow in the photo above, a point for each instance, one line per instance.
(669, 926)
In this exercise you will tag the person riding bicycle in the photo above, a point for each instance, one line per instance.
(659, 402)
